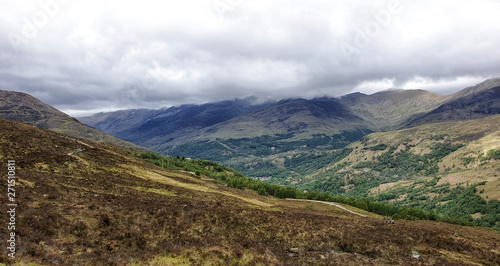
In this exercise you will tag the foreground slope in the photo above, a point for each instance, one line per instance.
(82, 202)
(21, 107)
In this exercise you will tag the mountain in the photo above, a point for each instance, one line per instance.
(179, 130)
(471, 103)
(166, 129)
(86, 203)
(21, 107)
(295, 116)
(140, 126)
(228, 119)
(251, 138)
(116, 122)
(390, 110)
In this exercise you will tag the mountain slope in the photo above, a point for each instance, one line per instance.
(296, 116)
(25, 108)
(471, 103)
(116, 122)
(229, 119)
(140, 126)
(430, 166)
(389, 110)
(86, 203)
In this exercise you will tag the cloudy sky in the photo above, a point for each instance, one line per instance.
(88, 56)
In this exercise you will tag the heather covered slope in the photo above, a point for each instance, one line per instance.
(85, 203)
(27, 109)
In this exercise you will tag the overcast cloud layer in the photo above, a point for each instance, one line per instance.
(88, 56)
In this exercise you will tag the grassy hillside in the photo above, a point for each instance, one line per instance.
(24, 108)
(434, 167)
(86, 203)
(390, 110)
(475, 102)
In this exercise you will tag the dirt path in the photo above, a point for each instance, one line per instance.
(334, 204)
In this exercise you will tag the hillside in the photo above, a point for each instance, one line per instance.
(471, 103)
(87, 203)
(431, 167)
(247, 134)
(27, 109)
(151, 127)
(390, 110)
(162, 130)
(322, 145)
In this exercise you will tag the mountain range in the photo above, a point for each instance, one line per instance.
(291, 122)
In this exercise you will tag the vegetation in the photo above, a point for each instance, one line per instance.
(405, 163)
(420, 190)
(458, 202)
(234, 179)
(492, 154)
(257, 156)
(390, 166)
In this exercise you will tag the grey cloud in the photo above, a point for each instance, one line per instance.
(114, 55)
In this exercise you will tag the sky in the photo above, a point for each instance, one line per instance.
(84, 57)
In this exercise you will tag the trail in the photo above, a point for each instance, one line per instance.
(334, 204)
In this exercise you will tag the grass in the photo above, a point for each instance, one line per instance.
(491, 190)
(192, 185)
(154, 190)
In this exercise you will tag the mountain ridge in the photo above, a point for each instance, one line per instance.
(473, 102)
(164, 129)
(22, 107)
